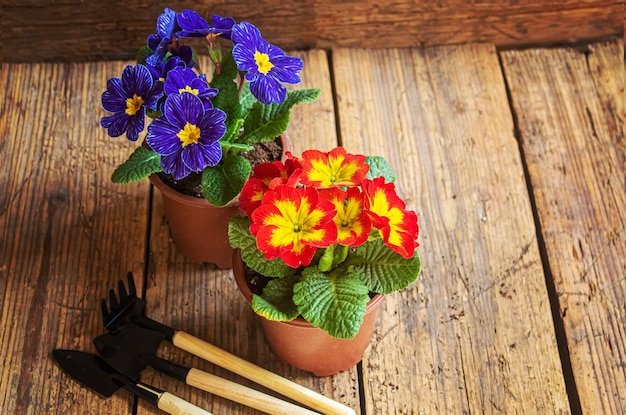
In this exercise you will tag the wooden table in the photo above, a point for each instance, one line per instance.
(513, 160)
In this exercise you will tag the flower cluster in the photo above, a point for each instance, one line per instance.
(326, 230)
(323, 199)
(198, 121)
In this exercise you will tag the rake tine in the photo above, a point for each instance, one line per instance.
(121, 290)
(131, 285)
(113, 304)
(105, 310)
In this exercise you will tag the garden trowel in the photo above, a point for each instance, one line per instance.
(132, 349)
(92, 371)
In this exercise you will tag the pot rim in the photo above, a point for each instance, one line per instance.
(240, 280)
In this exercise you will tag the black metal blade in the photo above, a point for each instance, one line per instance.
(125, 349)
(90, 370)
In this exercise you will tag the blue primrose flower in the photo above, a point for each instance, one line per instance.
(159, 70)
(187, 136)
(181, 80)
(167, 26)
(127, 98)
(194, 25)
(266, 65)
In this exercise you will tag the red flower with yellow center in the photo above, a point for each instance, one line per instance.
(353, 224)
(292, 223)
(336, 168)
(266, 176)
(397, 226)
(256, 186)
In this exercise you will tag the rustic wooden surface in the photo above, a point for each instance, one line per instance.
(576, 156)
(66, 232)
(509, 230)
(80, 30)
(458, 341)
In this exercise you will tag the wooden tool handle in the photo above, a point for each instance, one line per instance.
(242, 394)
(259, 375)
(174, 405)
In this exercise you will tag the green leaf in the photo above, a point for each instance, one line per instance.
(227, 99)
(333, 256)
(153, 113)
(266, 122)
(233, 128)
(228, 66)
(383, 270)
(143, 53)
(326, 261)
(240, 237)
(333, 303)
(276, 303)
(379, 167)
(246, 99)
(222, 183)
(141, 164)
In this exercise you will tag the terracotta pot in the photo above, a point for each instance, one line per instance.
(199, 229)
(307, 347)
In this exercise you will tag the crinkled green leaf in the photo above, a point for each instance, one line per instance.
(333, 303)
(228, 66)
(266, 122)
(246, 99)
(383, 270)
(240, 237)
(379, 167)
(233, 128)
(227, 98)
(222, 183)
(276, 302)
(141, 164)
(332, 256)
(326, 261)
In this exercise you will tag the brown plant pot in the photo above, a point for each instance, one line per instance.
(300, 344)
(199, 229)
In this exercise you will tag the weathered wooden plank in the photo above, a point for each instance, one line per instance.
(475, 334)
(206, 302)
(93, 30)
(570, 111)
(405, 23)
(66, 233)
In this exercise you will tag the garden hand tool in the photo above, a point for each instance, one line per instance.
(130, 309)
(92, 371)
(131, 349)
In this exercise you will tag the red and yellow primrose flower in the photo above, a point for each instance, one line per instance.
(320, 200)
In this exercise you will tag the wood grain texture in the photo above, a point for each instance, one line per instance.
(96, 30)
(66, 233)
(570, 109)
(464, 338)
(73, 30)
(505, 23)
(206, 302)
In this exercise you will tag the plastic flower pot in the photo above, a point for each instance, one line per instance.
(199, 229)
(302, 345)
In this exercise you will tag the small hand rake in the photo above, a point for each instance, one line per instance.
(130, 309)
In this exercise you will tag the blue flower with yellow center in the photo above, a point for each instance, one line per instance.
(267, 67)
(194, 25)
(186, 135)
(160, 70)
(127, 98)
(181, 80)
